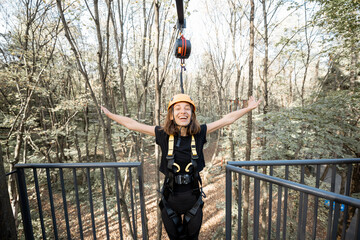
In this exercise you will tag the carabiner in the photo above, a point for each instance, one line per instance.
(178, 167)
(187, 167)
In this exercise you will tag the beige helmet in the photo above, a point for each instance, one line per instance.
(181, 98)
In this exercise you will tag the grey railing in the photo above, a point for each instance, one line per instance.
(284, 204)
(66, 201)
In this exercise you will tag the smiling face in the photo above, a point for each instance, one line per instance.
(182, 114)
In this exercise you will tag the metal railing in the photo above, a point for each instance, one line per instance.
(283, 206)
(81, 196)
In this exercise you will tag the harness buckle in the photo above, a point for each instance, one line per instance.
(183, 179)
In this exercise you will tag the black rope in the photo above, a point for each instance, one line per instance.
(181, 81)
(181, 78)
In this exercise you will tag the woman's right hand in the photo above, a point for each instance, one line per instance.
(105, 110)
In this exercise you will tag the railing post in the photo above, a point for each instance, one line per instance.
(239, 207)
(256, 208)
(228, 203)
(132, 204)
(142, 202)
(91, 203)
(78, 204)
(24, 204)
(357, 228)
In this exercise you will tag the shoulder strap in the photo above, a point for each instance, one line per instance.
(193, 147)
(171, 146)
(170, 157)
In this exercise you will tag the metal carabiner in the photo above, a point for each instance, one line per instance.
(187, 167)
(178, 167)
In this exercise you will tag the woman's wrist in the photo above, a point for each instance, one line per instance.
(250, 108)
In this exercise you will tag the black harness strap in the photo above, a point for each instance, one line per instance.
(173, 215)
(191, 213)
(170, 164)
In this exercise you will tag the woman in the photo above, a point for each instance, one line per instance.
(181, 140)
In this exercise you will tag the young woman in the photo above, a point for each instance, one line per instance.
(181, 140)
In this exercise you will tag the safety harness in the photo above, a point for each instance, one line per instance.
(191, 176)
(174, 168)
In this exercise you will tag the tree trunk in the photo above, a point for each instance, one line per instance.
(7, 221)
(14, 196)
(307, 61)
(266, 65)
(86, 129)
(77, 146)
(290, 88)
(157, 115)
(144, 65)
(263, 199)
(353, 67)
(120, 50)
(249, 120)
(342, 192)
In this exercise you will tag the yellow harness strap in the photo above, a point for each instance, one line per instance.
(171, 146)
(171, 152)
(193, 146)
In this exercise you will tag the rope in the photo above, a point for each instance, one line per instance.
(181, 72)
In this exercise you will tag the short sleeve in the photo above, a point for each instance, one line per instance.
(200, 141)
(158, 135)
(203, 133)
(161, 139)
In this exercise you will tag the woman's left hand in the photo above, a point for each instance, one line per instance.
(252, 103)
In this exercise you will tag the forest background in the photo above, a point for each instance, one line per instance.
(61, 60)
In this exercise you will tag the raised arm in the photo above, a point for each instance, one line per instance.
(233, 116)
(130, 123)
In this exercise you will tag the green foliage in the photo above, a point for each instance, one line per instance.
(327, 128)
(341, 18)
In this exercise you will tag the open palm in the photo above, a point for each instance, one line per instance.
(252, 103)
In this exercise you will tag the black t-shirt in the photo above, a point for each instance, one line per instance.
(182, 154)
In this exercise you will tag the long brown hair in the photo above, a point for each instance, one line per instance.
(170, 127)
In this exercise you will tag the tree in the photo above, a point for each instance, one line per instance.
(157, 111)
(340, 20)
(249, 116)
(7, 221)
